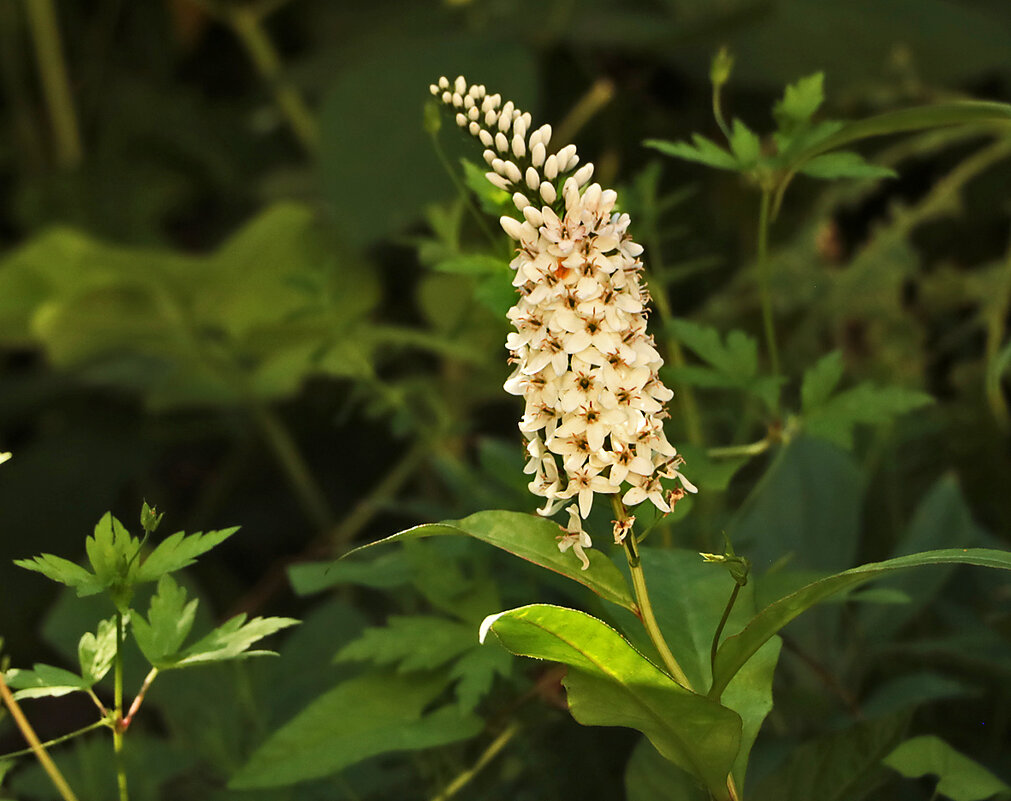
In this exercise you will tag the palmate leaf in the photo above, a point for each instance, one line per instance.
(531, 538)
(611, 684)
(168, 623)
(704, 151)
(178, 551)
(63, 571)
(736, 650)
(231, 640)
(96, 652)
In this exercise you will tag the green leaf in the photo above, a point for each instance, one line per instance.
(611, 684)
(44, 681)
(745, 145)
(475, 671)
(63, 571)
(531, 538)
(799, 103)
(384, 572)
(820, 381)
(704, 151)
(96, 652)
(473, 264)
(736, 650)
(960, 778)
(737, 357)
(413, 642)
(178, 551)
(840, 766)
(844, 164)
(168, 623)
(231, 640)
(112, 551)
(836, 418)
(372, 714)
(650, 777)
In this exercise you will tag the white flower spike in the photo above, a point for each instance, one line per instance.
(584, 364)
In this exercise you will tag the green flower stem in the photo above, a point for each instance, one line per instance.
(995, 331)
(646, 614)
(464, 778)
(763, 281)
(36, 746)
(117, 729)
(55, 85)
(248, 27)
(57, 740)
(722, 624)
(593, 100)
(731, 451)
(148, 680)
(464, 193)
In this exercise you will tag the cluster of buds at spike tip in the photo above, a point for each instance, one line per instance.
(584, 363)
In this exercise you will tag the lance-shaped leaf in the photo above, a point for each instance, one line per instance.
(736, 650)
(534, 539)
(611, 684)
(231, 640)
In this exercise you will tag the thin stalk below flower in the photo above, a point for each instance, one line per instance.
(36, 746)
(117, 729)
(139, 699)
(763, 282)
(57, 740)
(464, 778)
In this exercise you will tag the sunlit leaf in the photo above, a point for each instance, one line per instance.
(959, 777)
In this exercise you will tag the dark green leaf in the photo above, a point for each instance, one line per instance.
(841, 766)
(844, 164)
(362, 717)
(820, 381)
(960, 778)
(531, 538)
(704, 151)
(416, 642)
(865, 403)
(736, 650)
(611, 684)
(650, 777)
(383, 572)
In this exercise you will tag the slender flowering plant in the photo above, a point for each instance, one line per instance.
(584, 363)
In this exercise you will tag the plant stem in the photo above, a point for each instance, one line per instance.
(117, 728)
(57, 740)
(55, 85)
(719, 629)
(763, 282)
(248, 27)
(468, 201)
(995, 329)
(148, 680)
(33, 741)
(487, 756)
(718, 111)
(642, 600)
(593, 100)
(730, 451)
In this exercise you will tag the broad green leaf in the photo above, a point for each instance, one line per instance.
(531, 538)
(96, 652)
(840, 766)
(178, 551)
(844, 164)
(960, 778)
(799, 102)
(611, 684)
(412, 642)
(704, 151)
(44, 681)
(910, 690)
(736, 357)
(63, 571)
(820, 381)
(736, 650)
(372, 714)
(650, 777)
(168, 623)
(836, 418)
(231, 640)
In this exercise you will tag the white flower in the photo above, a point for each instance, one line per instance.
(584, 363)
(4, 457)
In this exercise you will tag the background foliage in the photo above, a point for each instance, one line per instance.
(242, 286)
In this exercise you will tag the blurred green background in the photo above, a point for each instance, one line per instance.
(237, 281)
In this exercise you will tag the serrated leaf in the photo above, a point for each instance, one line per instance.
(44, 681)
(821, 380)
(231, 640)
(111, 551)
(735, 651)
(415, 642)
(96, 652)
(844, 164)
(703, 151)
(799, 102)
(736, 357)
(368, 715)
(384, 572)
(836, 418)
(959, 777)
(179, 550)
(531, 538)
(168, 623)
(63, 571)
(475, 671)
(610, 683)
